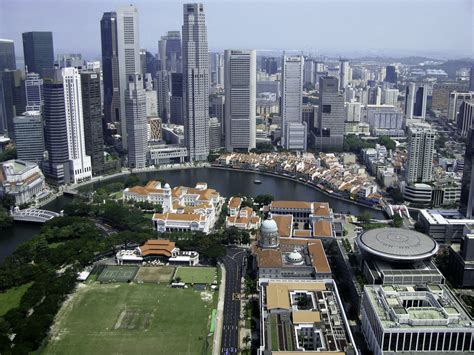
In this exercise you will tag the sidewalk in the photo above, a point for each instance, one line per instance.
(216, 346)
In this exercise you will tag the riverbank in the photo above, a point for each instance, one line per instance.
(269, 173)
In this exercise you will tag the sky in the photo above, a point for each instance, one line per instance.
(353, 28)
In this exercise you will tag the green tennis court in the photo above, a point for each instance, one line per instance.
(118, 273)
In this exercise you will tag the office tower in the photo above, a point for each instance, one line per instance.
(163, 91)
(330, 132)
(240, 95)
(353, 110)
(151, 103)
(384, 120)
(151, 64)
(421, 140)
(294, 131)
(135, 109)
(441, 91)
(110, 67)
(80, 167)
(13, 98)
(7, 55)
(143, 61)
(471, 79)
(308, 71)
(308, 116)
(70, 60)
(216, 70)
(3, 111)
(465, 118)
(344, 74)
(92, 114)
(38, 52)
(454, 103)
(390, 97)
(176, 100)
(155, 124)
(169, 48)
(34, 92)
(374, 95)
(128, 49)
(415, 101)
(215, 134)
(270, 65)
(195, 81)
(29, 136)
(390, 74)
(467, 183)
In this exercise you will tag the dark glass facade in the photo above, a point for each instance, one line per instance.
(467, 184)
(38, 51)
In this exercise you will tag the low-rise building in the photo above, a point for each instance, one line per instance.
(444, 226)
(246, 218)
(22, 180)
(167, 154)
(302, 212)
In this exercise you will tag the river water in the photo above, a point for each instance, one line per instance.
(227, 182)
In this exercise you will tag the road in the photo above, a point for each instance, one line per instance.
(233, 262)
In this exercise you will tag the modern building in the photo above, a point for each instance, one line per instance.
(455, 101)
(169, 48)
(80, 166)
(461, 259)
(155, 131)
(417, 193)
(444, 226)
(331, 116)
(22, 180)
(384, 120)
(215, 134)
(29, 137)
(135, 110)
(416, 97)
(195, 81)
(466, 203)
(128, 48)
(390, 74)
(421, 141)
(344, 73)
(465, 118)
(415, 319)
(167, 154)
(390, 97)
(151, 102)
(14, 102)
(308, 71)
(240, 95)
(34, 92)
(471, 78)
(176, 99)
(110, 67)
(440, 94)
(38, 52)
(294, 131)
(307, 317)
(353, 111)
(7, 55)
(92, 115)
(162, 85)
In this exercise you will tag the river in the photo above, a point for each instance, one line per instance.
(227, 182)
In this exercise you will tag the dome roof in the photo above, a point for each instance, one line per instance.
(294, 257)
(167, 186)
(269, 226)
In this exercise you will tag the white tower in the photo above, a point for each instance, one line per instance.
(421, 140)
(167, 202)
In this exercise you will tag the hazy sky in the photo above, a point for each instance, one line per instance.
(442, 28)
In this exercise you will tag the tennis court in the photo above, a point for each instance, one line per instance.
(118, 273)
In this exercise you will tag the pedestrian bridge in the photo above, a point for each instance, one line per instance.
(33, 215)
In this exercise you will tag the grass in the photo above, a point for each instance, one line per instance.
(196, 275)
(132, 319)
(11, 298)
(155, 274)
(274, 332)
(119, 273)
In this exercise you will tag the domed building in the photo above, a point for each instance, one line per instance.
(269, 236)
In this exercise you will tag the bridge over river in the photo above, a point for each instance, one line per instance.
(33, 215)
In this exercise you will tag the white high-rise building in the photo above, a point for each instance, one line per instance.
(294, 131)
(344, 73)
(137, 124)
(128, 44)
(421, 141)
(455, 101)
(240, 93)
(34, 92)
(162, 85)
(79, 163)
(353, 110)
(195, 81)
(390, 97)
(416, 97)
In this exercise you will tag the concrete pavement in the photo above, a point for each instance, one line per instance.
(220, 312)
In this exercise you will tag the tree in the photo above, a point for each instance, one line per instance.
(264, 199)
(396, 194)
(5, 218)
(8, 154)
(364, 217)
(388, 142)
(132, 180)
(397, 221)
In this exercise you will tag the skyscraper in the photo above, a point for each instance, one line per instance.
(34, 92)
(416, 97)
(195, 81)
(29, 136)
(467, 184)
(465, 118)
(344, 73)
(110, 67)
(38, 52)
(331, 115)
(92, 114)
(135, 111)
(7, 55)
(455, 101)
(176, 100)
(471, 79)
(240, 93)
(163, 91)
(170, 52)
(13, 98)
(390, 74)
(294, 132)
(128, 47)
(421, 140)
(308, 71)
(80, 167)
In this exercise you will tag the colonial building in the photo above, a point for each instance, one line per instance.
(21, 179)
(242, 218)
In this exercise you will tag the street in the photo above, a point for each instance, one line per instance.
(233, 262)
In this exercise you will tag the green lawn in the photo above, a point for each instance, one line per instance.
(132, 319)
(196, 275)
(11, 298)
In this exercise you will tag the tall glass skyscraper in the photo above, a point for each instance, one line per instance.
(7, 55)
(38, 51)
(467, 184)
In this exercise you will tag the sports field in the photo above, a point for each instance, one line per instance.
(118, 273)
(196, 275)
(133, 319)
(155, 274)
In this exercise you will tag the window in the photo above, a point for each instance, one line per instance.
(326, 108)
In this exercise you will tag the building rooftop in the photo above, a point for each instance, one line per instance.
(397, 244)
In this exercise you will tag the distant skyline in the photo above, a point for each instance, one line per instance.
(352, 28)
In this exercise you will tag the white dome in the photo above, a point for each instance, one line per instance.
(167, 186)
(294, 257)
(269, 226)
